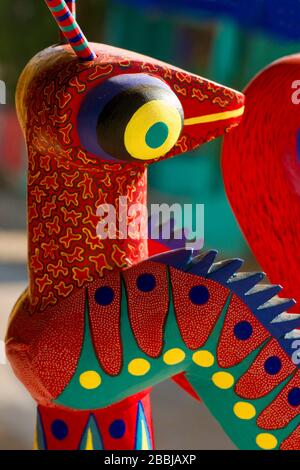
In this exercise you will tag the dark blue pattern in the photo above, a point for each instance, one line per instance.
(59, 429)
(104, 295)
(117, 429)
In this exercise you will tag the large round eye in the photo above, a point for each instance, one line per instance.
(134, 116)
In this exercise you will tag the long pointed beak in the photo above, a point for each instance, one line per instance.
(214, 117)
(210, 110)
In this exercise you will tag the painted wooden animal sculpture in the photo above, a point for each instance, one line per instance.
(261, 168)
(99, 323)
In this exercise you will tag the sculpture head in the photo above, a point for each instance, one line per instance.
(117, 106)
(94, 117)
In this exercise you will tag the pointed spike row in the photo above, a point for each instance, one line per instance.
(70, 29)
(222, 271)
(242, 283)
(262, 299)
(179, 259)
(277, 301)
(294, 334)
(279, 330)
(273, 316)
(267, 312)
(261, 294)
(201, 263)
(283, 324)
(286, 317)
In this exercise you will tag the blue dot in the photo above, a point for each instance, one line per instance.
(243, 330)
(146, 282)
(117, 429)
(272, 365)
(294, 397)
(157, 135)
(104, 295)
(199, 295)
(59, 429)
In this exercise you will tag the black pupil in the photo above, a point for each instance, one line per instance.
(116, 114)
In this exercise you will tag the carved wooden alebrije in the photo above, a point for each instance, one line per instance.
(100, 324)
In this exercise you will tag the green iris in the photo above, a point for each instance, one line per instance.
(157, 135)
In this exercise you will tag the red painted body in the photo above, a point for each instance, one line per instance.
(261, 169)
(77, 421)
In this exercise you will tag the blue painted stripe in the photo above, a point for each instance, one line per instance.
(77, 38)
(90, 57)
(64, 17)
(41, 438)
(140, 420)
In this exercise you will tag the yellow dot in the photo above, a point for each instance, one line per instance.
(90, 379)
(223, 380)
(142, 120)
(138, 367)
(203, 358)
(174, 356)
(244, 410)
(266, 441)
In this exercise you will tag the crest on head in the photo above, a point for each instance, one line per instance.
(64, 13)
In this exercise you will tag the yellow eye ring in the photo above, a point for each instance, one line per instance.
(153, 130)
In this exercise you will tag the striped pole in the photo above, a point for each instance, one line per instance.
(70, 28)
(72, 6)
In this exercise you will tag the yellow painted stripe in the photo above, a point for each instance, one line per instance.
(215, 117)
(145, 445)
(89, 441)
(35, 440)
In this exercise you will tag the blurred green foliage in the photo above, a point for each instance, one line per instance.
(26, 27)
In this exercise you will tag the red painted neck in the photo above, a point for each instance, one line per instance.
(65, 251)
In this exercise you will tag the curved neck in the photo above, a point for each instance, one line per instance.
(69, 209)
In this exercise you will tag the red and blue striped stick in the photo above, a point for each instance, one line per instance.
(72, 6)
(70, 28)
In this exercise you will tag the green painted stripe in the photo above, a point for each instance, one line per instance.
(68, 28)
(58, 8)
(80, 47)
